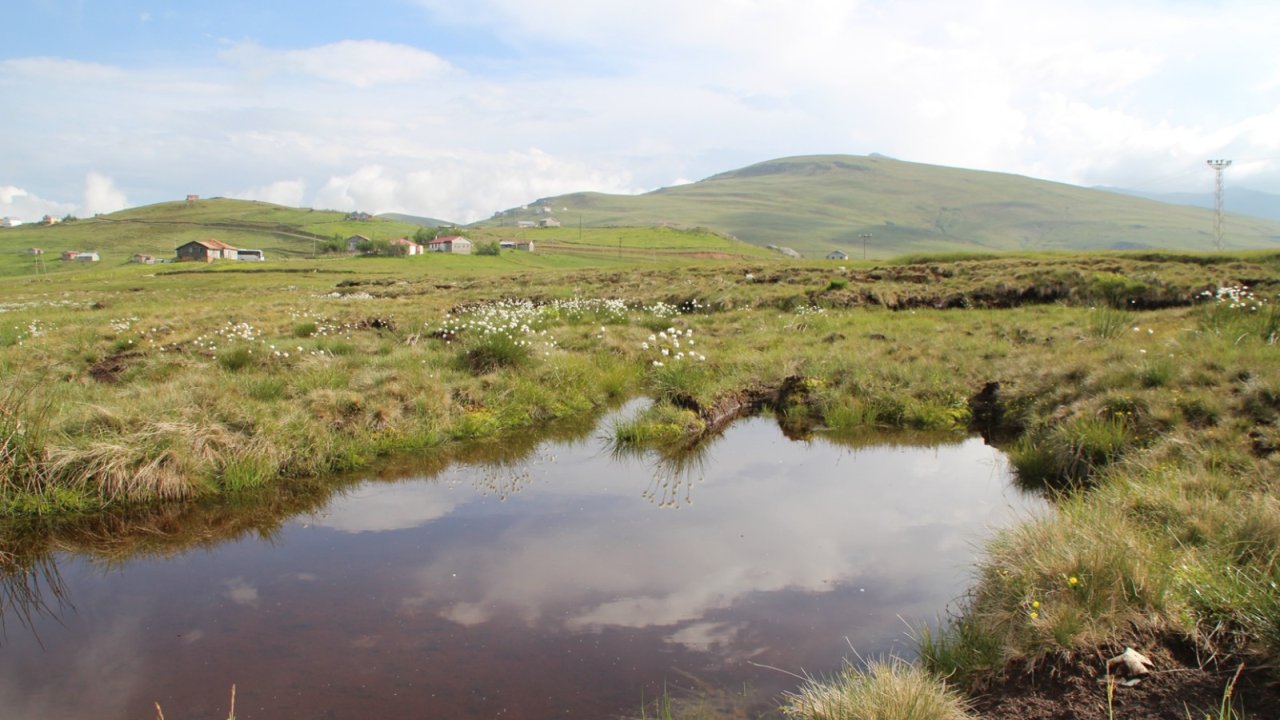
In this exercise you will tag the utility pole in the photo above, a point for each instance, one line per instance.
(1218, 166)
(865, 237)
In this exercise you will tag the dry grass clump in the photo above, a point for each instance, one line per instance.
(885, 690)
(157, 460)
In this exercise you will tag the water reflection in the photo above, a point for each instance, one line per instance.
(535, 581)
(29, 592)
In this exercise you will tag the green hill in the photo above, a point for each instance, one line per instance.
(427, 222)
(284, 233)
(280, 232)
(817, 204)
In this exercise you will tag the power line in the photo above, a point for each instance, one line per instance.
(1218, 166)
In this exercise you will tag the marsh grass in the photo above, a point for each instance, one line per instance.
(495, 351)
(884, 690)
(23, 419)
(1159, 466)
(1106, 322)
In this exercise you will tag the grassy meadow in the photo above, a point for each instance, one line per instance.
(1142, 392)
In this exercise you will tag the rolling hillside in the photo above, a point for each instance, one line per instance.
(817, 204)
(281, 232)
(284, 233)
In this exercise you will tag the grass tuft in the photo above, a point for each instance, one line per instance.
(885, 690)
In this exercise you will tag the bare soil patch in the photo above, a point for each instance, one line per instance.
(1181, 686)
(110, 368)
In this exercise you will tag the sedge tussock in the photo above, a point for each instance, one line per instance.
(885, 690)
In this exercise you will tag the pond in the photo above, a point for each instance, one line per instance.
(570, 582)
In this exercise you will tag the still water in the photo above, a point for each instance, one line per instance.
(567, 583)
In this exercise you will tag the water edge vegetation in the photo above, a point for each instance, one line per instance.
(1140, 390)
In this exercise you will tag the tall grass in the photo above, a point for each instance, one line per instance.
(23, 425)
(885, 690)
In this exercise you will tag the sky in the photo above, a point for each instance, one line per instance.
(456, 109)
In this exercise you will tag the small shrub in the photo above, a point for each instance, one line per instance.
(266, 389)
(304, 330)
(1197, 412)
(661, 424)
(1034, 466)
(1106, 323)
(490, 248)
(837, 284)
(1118, 291)
(1084, 446)
(236, 358)
(495, 351)
(247, 471)
(1157, 373)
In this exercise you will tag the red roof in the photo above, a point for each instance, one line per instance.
(214, 244)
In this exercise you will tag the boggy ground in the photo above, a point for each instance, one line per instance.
(1182, 684)
(1142, 392)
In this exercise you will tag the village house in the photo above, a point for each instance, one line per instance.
(526, 224)
(80, 256)
(193, 198)
(837, 255)
(450, 244)
(10, 222)
(353, 242)
(548, 222)
(206, 251)
(142, 259)
(359, 216)
(50, 220)
(410, 247)
(250, 255)
(526, 245)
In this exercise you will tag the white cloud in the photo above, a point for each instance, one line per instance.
(281, 192)
(379, 508)
(647, 577)
(59, 71)
(15, 202)
(465, 188)
(359, 63)
(240, 592)
(617, 97)
(101, 195)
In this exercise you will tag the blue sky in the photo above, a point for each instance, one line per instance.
(456, 109)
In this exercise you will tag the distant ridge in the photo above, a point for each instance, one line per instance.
(415, 220)
(1242, 201)
(820, 203)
